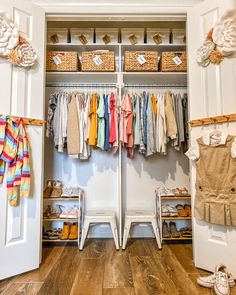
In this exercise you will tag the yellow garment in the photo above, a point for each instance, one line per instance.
(154, 105)
(93, 120)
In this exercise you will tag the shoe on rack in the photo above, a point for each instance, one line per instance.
(173, 211)
(165, 230)
(57, 189)
(64, 212)
(165, 211)
(71, 192)
(173, 230)
(221, 285)
(73, 213)
(48, 190)
(73, 231)
(55, 213)
(64, 235)
(47, 211)
(209, 281)
(181, 211)
(165, 192)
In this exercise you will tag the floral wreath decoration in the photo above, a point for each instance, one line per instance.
(220, 41)
(13, 46)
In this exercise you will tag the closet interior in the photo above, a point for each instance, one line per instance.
(107, 179)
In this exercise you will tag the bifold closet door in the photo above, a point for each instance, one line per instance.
(22, 94)
(212, 92)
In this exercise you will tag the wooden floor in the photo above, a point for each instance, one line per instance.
(101, 270)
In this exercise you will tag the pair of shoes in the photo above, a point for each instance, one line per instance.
(170, 230)
(71, 213)
(184, 210)
(52, 234)
(168, 211)
(221, 280)
(53, 189)
(69, 231)
(71, 192)
(52, 213)
(165, 192)
(180, 191)
(186, 232)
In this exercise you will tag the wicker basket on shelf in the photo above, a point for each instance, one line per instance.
(174, 61)
(62, 61)
(141, 61)
(98, 61)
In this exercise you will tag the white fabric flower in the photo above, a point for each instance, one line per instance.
(27, 55)
(224, 33)
(204, 52)
(9, 36)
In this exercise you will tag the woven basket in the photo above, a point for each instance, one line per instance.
(168, 64)
(132, 63)
(98, 61)
(62, 61)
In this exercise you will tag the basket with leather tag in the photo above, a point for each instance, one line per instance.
(141, 61)
(173, 61)
(98, 61)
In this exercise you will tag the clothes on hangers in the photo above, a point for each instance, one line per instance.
(79, 120)
(157, 119)
(14, 154)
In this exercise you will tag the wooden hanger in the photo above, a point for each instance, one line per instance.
(213, 120)
(27, 121)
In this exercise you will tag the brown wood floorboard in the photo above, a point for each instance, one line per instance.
(99, 269)
(61, 277)
(89, 277)
(118, 273)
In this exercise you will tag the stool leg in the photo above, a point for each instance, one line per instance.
(84, 233)
(126, 233)
(115, 233)
(156, 232)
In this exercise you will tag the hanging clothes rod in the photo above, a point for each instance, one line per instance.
(27, 121)
(213, 120)
(155, 86)
(80, 85)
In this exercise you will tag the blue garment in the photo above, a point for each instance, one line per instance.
(145, 102)
(107, 131)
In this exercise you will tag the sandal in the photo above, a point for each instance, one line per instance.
(55, 214)
(185, 191)
(176, 191)
(47, 211)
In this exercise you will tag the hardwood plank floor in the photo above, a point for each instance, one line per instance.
(99, 269)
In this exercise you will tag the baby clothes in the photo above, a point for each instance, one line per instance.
(215, 156)
(101, 123)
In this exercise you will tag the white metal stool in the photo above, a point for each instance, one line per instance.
(99, 216)
(140, 217)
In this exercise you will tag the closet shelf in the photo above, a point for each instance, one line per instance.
(156, 78)
(62, 199)
(61, 219)
(177, 239)
(61, 241)
(176, 218)
(176, 198)
(81, 77)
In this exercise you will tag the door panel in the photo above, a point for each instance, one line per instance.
(23, 95)
(211, 92)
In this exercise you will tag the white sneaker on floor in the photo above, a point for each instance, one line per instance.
(221, 285)
(210, 280)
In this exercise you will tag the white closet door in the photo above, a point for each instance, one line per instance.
(211, 92)
(22, 94)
